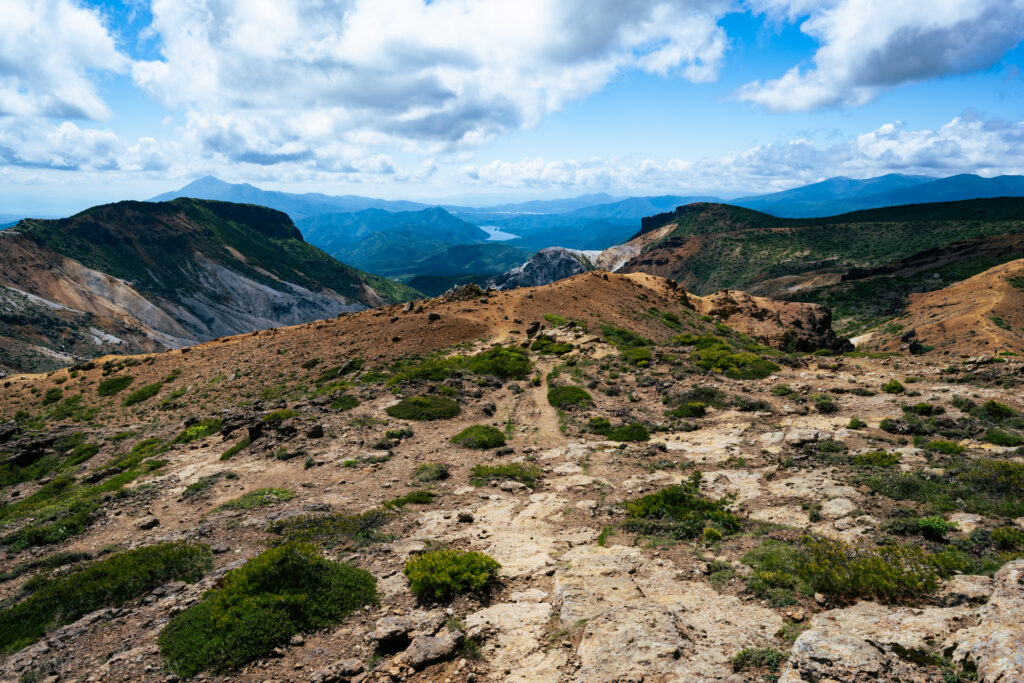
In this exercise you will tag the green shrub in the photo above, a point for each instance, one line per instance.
(399, 434)
(824, 403)
(623, 338)
(198, 431)
(843, 573)
(986, 486)
(935, 528)
(479, 436)
(280, 415)
(560, 397)
(430, 471)
(876, 459)
(260, 498)
(893, 386)
(503, 362)
(114, 385)
(344, 402)
(782, 390)
(422, 408)
(444, 574)
(923, 408)
(555, 319)
(997, 411)
(717, 356)
(775, 573)
(694, 409)
(1001, 438)
(58, 525)
(141, 394)
(52, 395)
(679, 512)
(109, 582)
(524, 474)
(946, 447)
(81, 453)
(856, 423)
(639, 356)
(627, 432)
(769, 658)
(411, 498)
(259, 606)
(546, 345)
(1008, 538)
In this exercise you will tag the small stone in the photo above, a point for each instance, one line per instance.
(465, 517)
(147, 523)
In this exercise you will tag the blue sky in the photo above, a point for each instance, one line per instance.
(489, 99)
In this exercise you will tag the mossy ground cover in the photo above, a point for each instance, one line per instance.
(109, 582)
(286, 590)
(260, 498)
(198, 431)
(503, 362)
(114, 385)
(442, 574)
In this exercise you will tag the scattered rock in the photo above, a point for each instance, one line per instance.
(147, 523)
(425, 650)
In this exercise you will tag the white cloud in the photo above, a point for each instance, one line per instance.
(964, 145)
(867, 46)
(264, 80)
(47, 50)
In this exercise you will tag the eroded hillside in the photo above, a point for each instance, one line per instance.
(667, 500)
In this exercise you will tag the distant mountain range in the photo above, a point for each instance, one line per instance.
(140, 276)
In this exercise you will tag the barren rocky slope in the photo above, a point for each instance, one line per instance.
(138, 276)
(706, 509)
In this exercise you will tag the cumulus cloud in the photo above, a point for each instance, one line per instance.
(47, 50)
(867, 46)
(265, 80)
(963, 145)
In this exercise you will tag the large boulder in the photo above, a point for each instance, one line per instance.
(785, 325)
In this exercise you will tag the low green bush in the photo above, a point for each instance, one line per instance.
(875, 459)
(944, 446)
(1008, 538)
(344, 402)
(424, 408)
(679, 512)
(503, 362)
(1001, 438)
(109, 582)
(479, 436)
(560, 397)
(280, 415)
(141, 394)
(444, 574)
(633, 431)
(893, 386)
(694, 409)
(985, 486)
(546, 345)
(995, 410)
(824, 403)
(52, 395)
(430, 471)
(623, 338)
(198, 431)
(524, 474)
(114, 385)
(236, 448)
(935, 528)
(782, 390)
(81, 453)
(716, 355)
(412, 498)
(333, 529)
(259, 606)
(768, 658)
(259, 498)
(774, 575)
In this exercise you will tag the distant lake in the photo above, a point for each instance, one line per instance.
(496, 234)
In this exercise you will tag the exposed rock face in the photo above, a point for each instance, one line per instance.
(996, 644)
(546, 266)
(780, 324)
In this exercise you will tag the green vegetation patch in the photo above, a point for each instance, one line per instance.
(344, 402)
(875, 459)
(52, 395)
(1002, 438)
(893, 386)
(114, 385)
(259, 606)
(716, 355)
(200, 430)
(280, 415)
(430, 471)
(480, 436)
(515, 471)
(334, 529)
(680, 512)
(984, 486)
(260, 498)
(560, 397)
(623, 338)
(424, 408)
(141, 394)
(109, 582)
(236, 448)
(769, 659)
(692, 409)
(546, 345)
(633, 431)
(443, 574)
(503, 362)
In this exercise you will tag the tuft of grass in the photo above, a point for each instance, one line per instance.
(680, 512)
(692, 409)
(109, 582)
(944, 446)
(443, 574)
(332, 529)
(555, 319)
(633, 431)
(524, 474)
(424, 408)
(561, 397)
(411, 498)
(141, 394)
(259, 606)
(768, 658)
(1002, 438)
(114, 385)
(875, 459)
(479, 436)
(260, 498)
(546, 345)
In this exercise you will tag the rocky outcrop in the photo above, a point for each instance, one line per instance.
(783, 325)
(546, 266)
(996, 645)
